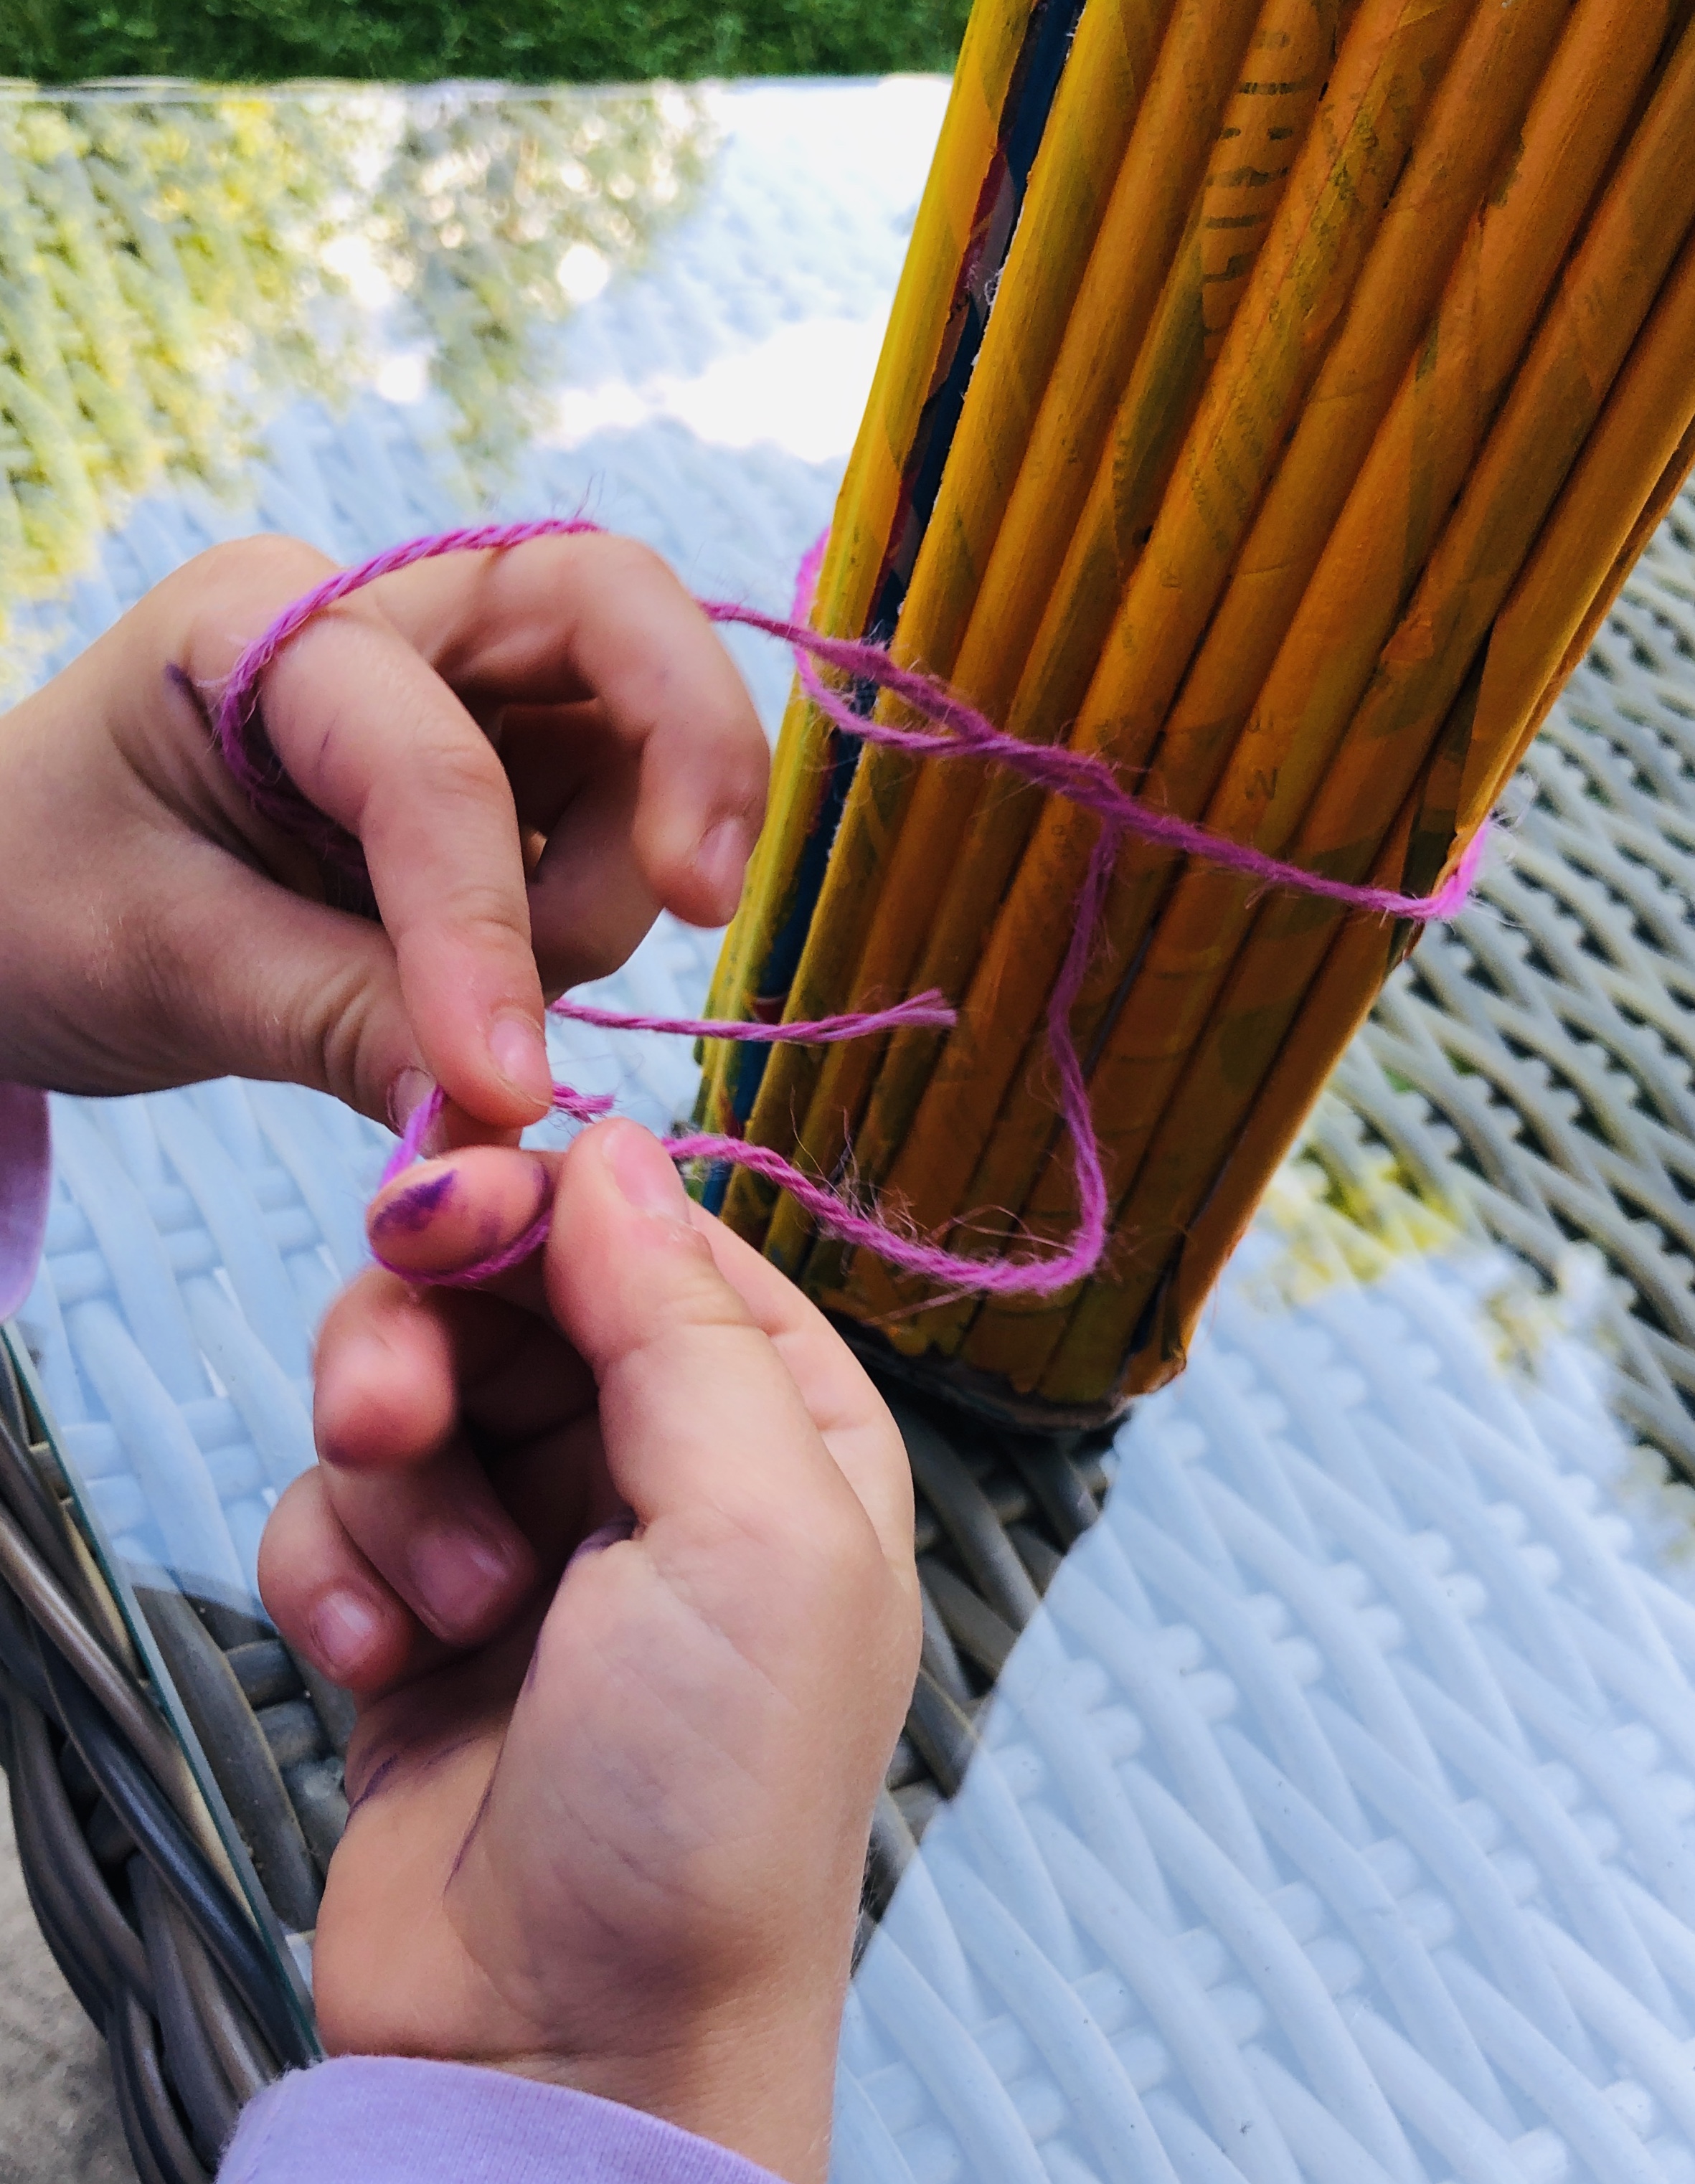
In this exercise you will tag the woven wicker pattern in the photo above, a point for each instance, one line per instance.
(1532, 1067)
(1332, 1818)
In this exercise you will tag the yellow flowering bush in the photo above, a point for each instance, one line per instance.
(173, 265)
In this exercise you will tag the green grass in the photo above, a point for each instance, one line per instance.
(525, 41)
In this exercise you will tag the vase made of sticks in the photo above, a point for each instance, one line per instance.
(1276, 396)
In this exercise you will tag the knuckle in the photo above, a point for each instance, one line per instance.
(333, 1039)
(483, 919)
(455, 762)
(268, 563)
(630, 560)
(701, 1299)
(351, 1064)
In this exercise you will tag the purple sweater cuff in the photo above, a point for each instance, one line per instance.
(389, 2120)
(25, 1164)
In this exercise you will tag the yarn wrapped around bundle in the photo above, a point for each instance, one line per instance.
(1278, 393)
(958, 730)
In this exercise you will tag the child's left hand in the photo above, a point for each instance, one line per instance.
(610, 1814)
(537, 749)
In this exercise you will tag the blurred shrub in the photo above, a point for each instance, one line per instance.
(173, 268)
(522, 41)
(490, 211)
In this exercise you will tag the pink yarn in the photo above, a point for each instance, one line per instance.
(1080, 778)
(930, 1011)
(237, 724)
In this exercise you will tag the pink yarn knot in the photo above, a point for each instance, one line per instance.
(959, 731)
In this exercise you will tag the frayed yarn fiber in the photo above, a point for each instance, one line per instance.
(958, 730)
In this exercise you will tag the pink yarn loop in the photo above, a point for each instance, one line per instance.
(1080, 778)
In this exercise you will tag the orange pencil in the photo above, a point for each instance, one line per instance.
(1080, 155)
(918, 328)
(1636, 459)
(1323, 665)
(1479, 106)
(912, 860)
(930, 895)
(1584, 341)
(1390, 62)
(1339, 1003)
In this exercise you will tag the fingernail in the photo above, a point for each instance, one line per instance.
(520, 1053)
(460, 1576)
(609, 1535)
(721, 862)
(642, 1171)
(343, 1628)
(411, 1089)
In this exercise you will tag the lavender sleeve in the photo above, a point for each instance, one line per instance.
(25, 1167)
(391, 2119)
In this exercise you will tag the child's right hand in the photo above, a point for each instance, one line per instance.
(536, 748)
(608, 1830)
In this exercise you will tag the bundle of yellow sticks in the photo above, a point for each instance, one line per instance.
(1276, 396)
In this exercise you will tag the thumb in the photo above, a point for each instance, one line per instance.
(262, 983)
(699, 1411)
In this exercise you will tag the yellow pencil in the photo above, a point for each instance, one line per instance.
(918, 326)
(1389, 64)
(1191, 133)
(1584, 343)
(1326, 659)
(1168, 149)
(1478, 108)
(1339, 1002)
(1081, 151)
(1636, 459)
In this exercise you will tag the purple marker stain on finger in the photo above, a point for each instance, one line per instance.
(183, 683)
(376, 1782)
(415, 1207)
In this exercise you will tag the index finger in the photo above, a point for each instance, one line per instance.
(359, 714)
(374, 739)
(469, 1206)
(558, 619)
(724, 1395)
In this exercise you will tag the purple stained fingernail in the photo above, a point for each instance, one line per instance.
(606, 1535)
(413, 1209)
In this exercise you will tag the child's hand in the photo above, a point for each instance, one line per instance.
(560, 709)
(610, 1831)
